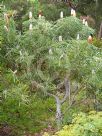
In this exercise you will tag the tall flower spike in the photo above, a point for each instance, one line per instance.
(73, 12)
(30, 15)
(90, 39)
(86, 23)
(61, 14)
(5, 93)
(40, 16)
(6, 18)
(78, 36)
(50, 51)
(83, 21)
(62, 56)
(4, 6)
(93, 71)
(30, 27)
(60, 38)
(20, 52)
(5, 27)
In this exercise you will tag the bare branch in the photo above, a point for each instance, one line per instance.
(77, 90)
(39, 86)
(60, 85)
(67, 89)
(100, 32)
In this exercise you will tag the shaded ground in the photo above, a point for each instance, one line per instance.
(6, 131)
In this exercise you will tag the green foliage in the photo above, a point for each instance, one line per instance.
(10, 36)
(23, 111)
(69, 27)
(73, 56)
(33, 58)
(56, 8)
(82, 62)
(97, 43)
(85, 32)
(1, 25)
(83, 124)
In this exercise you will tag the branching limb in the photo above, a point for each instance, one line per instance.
(67, 89)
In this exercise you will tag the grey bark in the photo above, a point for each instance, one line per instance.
(58, 101)
(67, 89)
(100, 32)
(58, 110)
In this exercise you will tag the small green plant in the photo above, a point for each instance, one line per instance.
(83, 125)
(70, 26)
(97, 43)
(24, 112)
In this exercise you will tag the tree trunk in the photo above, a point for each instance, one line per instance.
(58, 113)
(58, 101)
(100, 32)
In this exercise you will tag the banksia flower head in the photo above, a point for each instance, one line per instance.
(30, 27)
(30, 15)
(86, 23)
(40, 16)
(62, 56)
(5, 27)
(73, 12)
(60, 38)
(6, 18)
(50, 51)
(78, 36)
(83, 21)
(61, 14)
(90, 39)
